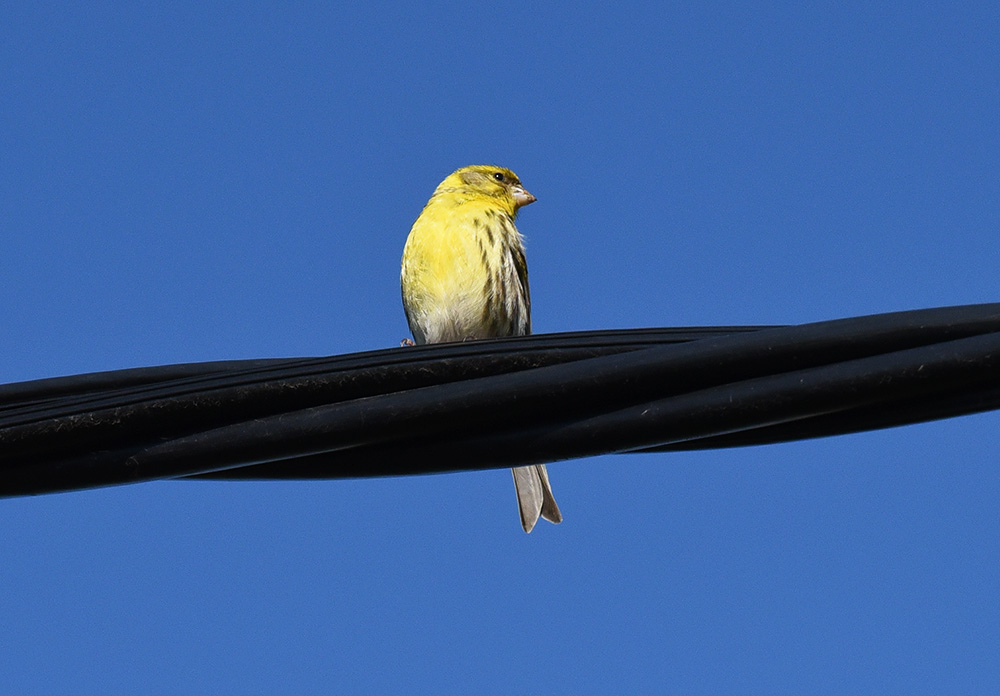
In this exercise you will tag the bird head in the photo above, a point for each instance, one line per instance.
(488, 180)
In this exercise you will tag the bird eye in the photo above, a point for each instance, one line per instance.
(498, 176)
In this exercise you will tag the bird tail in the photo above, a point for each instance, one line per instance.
(534, 496)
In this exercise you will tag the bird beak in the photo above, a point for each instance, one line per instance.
(522, 197)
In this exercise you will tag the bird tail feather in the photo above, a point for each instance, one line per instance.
(534, 496)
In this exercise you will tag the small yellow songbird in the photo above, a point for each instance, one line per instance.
(464, 277)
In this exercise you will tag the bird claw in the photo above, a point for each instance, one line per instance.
(406, 343)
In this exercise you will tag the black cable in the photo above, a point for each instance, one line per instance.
(498, 403)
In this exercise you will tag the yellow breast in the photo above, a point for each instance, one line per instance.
(463, 273)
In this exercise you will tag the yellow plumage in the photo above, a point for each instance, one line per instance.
(464, 277)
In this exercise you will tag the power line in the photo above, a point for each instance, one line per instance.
(498, 403)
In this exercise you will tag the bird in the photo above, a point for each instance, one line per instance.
(464, 277)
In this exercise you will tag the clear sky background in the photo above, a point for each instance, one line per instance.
(184, 182)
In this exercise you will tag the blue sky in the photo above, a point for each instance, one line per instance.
(204, 181)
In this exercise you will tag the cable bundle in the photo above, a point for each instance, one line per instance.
(499, 403)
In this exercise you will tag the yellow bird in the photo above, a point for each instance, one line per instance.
(464, 277)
